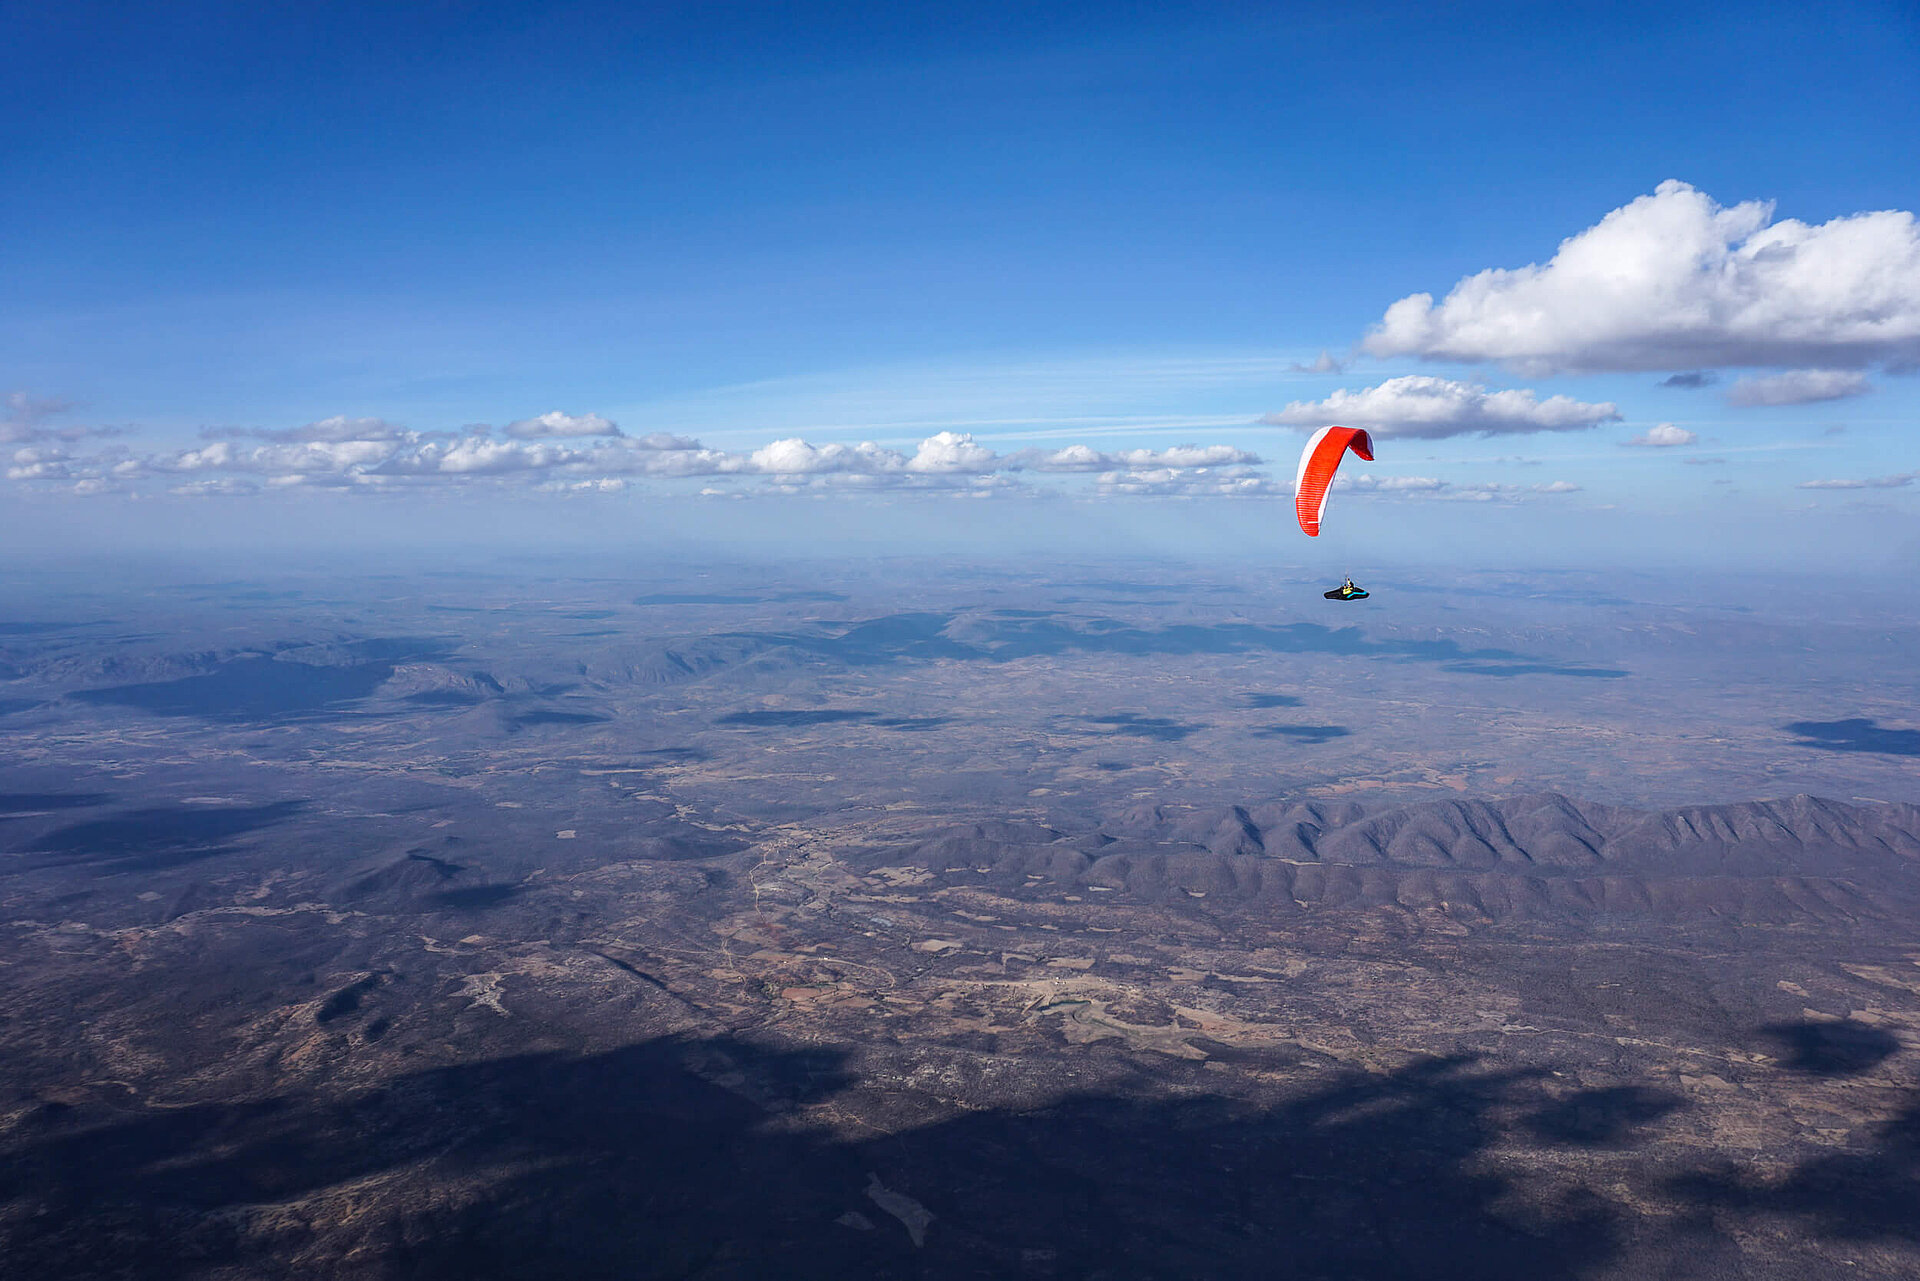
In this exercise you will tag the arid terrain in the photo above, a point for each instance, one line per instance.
(933, 921)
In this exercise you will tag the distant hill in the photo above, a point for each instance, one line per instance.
(1540, 857)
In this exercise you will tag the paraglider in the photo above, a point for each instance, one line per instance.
(1318, 461)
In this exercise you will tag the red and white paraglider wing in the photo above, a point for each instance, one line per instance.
(1318, 461)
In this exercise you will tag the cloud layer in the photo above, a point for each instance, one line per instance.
(1674, 280)
(587, 453)
(24, 419)
(1432, 487)
(1899, 481)
(1428, 408)
(1665, 436)
(1799, 387)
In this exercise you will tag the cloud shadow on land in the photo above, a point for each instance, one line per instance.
(637, 1163)
(925, 636)
(1132, 725)
(1266, 702)
(700, 598)
(1866, 1193)
(18, 803)
(476, 897)
(1303, 733)
(1609, 1117)
(1856, 735)
(150, 839)
(39, 629)
(1843, 1047)
(640, 1162)
(914, 724)
(547, 716)
(1535, 669)
(792, 719)
(256, 688)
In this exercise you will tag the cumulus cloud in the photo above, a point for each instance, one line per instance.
(795, 457)
(1190, 482)
(219, 487)
(558, 425)
(1367, 483)
(1428, 408)
(1799, 387)
(373, 455)
(1665, 436)
(1899, 481)
(604, 485)
(1675, 279)
(1692, 379)
(1080, 458)
(40, 464)
(951, 452)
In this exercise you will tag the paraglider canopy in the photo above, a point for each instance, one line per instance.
(1318, 461)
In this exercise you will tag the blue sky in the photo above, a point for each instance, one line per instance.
(1113, 227)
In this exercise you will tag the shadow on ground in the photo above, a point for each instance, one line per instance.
(255, 688)
(679, 1158)
(1856, 735)
(1870, 1192)
(927, 636)
(147, 840)
(1842, 1047)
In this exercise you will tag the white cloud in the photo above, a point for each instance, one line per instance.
(1071, 459)
(370, 454)
(1181, 456)
(40, 463)
(951, 452)
(325, 456)
(604, 485)
(219, 487)
(1665, 436)
(1675, 281)
(555, 425)
(663, 440)
(1189, 482)
(1428, 408)
(1899, 481)
(1367, 483)
(1080, 458)
(1433, 487)
(1799, 387)
(336, 428)
(795, 457)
